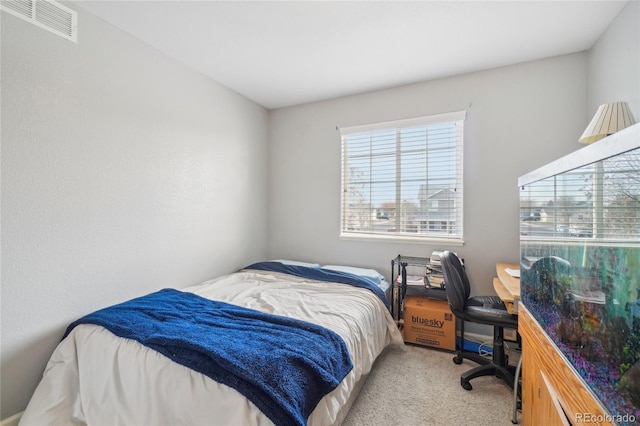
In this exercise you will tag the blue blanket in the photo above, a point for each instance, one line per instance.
(321, 274)
(284, 366)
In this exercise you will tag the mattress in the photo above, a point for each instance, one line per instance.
(95, 377)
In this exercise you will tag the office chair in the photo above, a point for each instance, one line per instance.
(488, 310)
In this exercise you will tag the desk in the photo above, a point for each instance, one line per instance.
(507, 287)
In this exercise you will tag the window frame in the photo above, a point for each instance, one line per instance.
(396, 126)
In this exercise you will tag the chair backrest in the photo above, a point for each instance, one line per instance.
(456, 281)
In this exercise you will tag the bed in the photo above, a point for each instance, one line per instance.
(99, 374)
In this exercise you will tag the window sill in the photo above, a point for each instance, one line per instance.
(402, 239)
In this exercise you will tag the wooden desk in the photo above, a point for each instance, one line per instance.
(507, 287)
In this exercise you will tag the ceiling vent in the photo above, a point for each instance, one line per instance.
(47, 14)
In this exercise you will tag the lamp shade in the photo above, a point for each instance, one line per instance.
(609, 119)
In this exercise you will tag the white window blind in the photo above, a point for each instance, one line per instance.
(403, 179)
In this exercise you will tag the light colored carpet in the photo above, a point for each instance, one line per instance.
(414, 385)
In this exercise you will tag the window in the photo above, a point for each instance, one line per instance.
(403, 179)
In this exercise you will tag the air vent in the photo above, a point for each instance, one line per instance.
(47, 14)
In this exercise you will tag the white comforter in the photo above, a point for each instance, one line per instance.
(96, 378)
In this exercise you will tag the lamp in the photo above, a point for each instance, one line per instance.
(609, 119)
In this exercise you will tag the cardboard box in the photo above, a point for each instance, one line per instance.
(429, 322)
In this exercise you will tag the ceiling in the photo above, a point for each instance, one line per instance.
(283, 53)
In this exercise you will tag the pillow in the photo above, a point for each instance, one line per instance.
(296, 263)
(369, 273)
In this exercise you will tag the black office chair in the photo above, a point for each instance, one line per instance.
(489, 310)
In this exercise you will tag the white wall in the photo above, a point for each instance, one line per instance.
(518, 118)
(123, 172)
(614, 63)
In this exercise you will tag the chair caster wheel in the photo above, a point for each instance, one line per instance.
(465, 384)
(457, 360)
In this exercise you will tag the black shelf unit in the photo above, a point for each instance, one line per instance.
(399, 267)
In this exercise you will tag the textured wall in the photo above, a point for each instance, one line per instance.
(518, 118)
(614, 63)
(123, 172)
